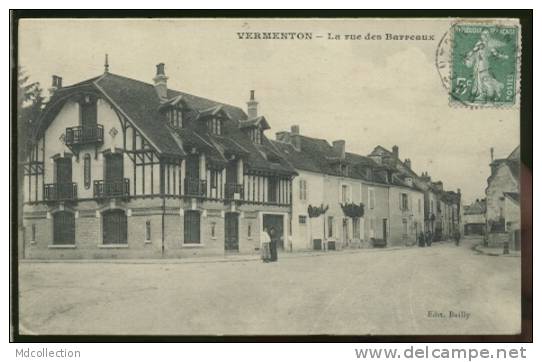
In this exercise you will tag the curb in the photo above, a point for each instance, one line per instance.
(477, 248)
(201, 260)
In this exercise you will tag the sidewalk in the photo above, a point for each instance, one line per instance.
(215, 258)
(495, 251)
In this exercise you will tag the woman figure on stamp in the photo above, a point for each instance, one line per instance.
(485, 86)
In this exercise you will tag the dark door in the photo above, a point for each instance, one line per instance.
(63, 228)
(64, 178)
(231, 232)
(385, 229)
(272, 189)
(89, 114)
(231, 172)
(114, 171)
(192, 167)
(63, 170)
(115, 227)
(275, 227)
(191, 227)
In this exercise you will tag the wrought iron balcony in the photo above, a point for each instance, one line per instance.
(110, 189)
(233, 191)
(60, 191)
(195, 187)
(82, 135)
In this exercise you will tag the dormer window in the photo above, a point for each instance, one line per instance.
(344, 170)
(254, 127)
(256, 135)
(214, 125)
(175, 117)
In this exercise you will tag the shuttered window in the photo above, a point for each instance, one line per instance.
(63, 228)
(115, 227)
(191, 227)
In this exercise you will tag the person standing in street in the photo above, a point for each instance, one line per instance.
(265, 246)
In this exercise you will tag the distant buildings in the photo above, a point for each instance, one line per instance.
(474, 218)
(502, 200)
(398, 205)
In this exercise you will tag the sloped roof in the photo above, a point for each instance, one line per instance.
(476, 208)
(253, 122)
(514, 196)
(139, 102)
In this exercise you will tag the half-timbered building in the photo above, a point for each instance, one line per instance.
(124, 168)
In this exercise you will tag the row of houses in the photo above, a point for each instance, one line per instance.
(124, 168)
(497, 216)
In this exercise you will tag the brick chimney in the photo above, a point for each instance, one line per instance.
(340, 147)
(395, 151)
(296, 137)
(252, 106)
(160, 81)
(55, 84)
(408, 163)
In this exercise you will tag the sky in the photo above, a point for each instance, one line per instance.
(366, 92)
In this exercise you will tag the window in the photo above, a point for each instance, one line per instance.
(213, 226)
(249, 230)
(405, 227)
(420, 205)
(356, 228)
(372, 227)
(33, 235)
(345, 194)
(148, 230)
(115, 227)
(302, 219)
(64, 228)
(175, 117)
(256, 135)
(303, 190)
(404, 201)
(191, 227)
(330, 226)
(272, 189)
(214, 125)
(214, 179)
(371, 198)
(86, 171)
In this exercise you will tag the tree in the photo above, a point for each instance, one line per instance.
(30, 102)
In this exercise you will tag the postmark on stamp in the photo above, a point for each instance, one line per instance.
(484, 64)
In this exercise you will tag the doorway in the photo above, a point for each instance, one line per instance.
(275, 227)
(385, 229)
(231, 232)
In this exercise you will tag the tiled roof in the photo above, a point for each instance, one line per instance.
(476, 208)
(139, 102)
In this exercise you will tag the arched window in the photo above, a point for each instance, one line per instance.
(63, 228)
(115, 227)
(86, 170)
(191, 227)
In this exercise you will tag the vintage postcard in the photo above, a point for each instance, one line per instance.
(256, 177)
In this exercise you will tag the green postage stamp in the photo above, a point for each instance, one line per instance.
(484, 64)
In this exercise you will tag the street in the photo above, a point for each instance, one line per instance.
(441, 289)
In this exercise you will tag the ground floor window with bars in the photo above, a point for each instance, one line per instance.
(63, 228)
(115, 227)
(192, 227)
